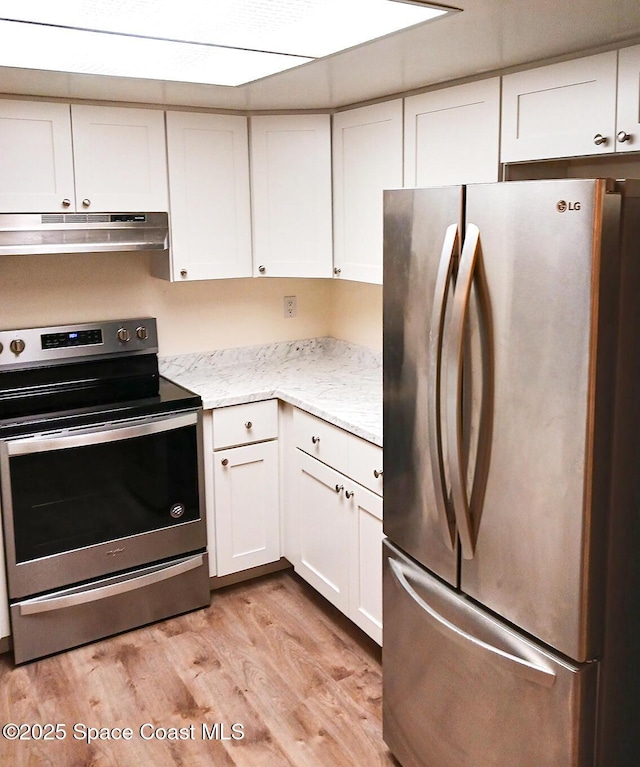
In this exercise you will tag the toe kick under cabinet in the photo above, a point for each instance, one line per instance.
(245, 486)
(337, 541)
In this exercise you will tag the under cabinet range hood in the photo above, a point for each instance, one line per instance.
(48, 233)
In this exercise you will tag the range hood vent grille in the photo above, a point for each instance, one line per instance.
(49, 233)
(75, 218)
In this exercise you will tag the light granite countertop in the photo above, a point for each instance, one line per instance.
(336, 381)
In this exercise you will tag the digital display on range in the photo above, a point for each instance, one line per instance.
(72, 338)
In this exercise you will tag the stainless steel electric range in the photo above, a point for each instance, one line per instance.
(101, 479)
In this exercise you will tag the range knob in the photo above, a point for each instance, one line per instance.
(17, 346)
(142, 333)
(124, 335)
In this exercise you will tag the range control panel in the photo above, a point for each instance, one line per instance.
(33, 347)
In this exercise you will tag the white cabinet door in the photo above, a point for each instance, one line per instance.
(247, 514)
(366, 563)
(4, 594)
(560, 110)
(120, 158)
(628, 115)
(291, 195)
(367, 158)
(36, 158)
(208, 159)
(324, 520)
(452, 135)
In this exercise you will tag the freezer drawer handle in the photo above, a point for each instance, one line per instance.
(46, 604)
(523, 667)
(450, 251)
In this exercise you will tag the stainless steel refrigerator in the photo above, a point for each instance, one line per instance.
(512, 474)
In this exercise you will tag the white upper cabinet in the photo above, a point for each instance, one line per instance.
(291, 195)
(120, 158)
(208, 158)
(367, 158)
(452, 135)
(85, 158)
(36, 157)
(560, 110)
(628, 115)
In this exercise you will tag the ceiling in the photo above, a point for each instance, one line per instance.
(488, 36)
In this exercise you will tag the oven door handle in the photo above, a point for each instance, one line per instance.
(96, 435)
(94, 594)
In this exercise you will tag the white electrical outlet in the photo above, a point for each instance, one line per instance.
(289, 306)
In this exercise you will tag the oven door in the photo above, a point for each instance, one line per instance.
(97, 500)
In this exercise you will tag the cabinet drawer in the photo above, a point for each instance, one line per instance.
(365, 464)
(244, 424)
(320, 439)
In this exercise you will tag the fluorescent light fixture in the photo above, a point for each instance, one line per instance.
(219, 42)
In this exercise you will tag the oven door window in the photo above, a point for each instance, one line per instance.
(75, 497)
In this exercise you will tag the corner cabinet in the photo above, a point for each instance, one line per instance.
(61, 158)
(337, 540)
(208, 162)
(367, 158)
(246, 496)
(291, 195)
(452, 135)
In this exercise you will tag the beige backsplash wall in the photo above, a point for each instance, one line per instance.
(356, 314)
(192, 317)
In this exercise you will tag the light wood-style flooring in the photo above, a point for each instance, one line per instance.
(268, 654)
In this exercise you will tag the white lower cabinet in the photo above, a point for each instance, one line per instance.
(325, 521)
(4, 596)
(244, 528)
(337, 541)
(246, 501)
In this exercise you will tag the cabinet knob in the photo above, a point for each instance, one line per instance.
(339, 488)
(262, 268)
(248, 424)
(86, 202)
(599, 139)
(66, 203)
(377, 473)
(350, 493)
(336, 270)
(315, 440)
(623, 136)
(225, 462)
(183, 272)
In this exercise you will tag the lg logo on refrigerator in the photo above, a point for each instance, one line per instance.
(562, 206)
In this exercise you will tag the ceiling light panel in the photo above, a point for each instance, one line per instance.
(65, 50)
(305, 29)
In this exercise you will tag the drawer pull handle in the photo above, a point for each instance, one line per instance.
(339, 488)
(315, 440)
(248, 424)
(377, 474)
(225, 461)
(350, 493)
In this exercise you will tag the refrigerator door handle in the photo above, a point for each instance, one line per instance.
(522, 666)
(460, 308)
(450, 251)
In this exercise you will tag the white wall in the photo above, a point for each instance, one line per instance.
(193, 316)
